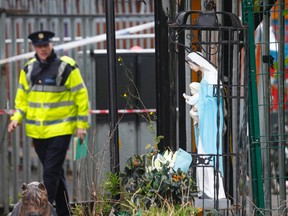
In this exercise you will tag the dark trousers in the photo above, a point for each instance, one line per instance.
(52, 153)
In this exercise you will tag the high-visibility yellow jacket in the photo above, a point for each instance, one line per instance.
(52, 98)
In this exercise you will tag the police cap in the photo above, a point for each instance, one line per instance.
(41, 37)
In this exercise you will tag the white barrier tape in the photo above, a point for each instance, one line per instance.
(83, 42)
(123, 111)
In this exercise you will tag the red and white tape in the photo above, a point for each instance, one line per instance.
(124, 111)
(4, 112)
(10, 112)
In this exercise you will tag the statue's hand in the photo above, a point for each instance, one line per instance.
(185, 96)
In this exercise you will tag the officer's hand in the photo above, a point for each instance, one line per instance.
(81, 133)
(13, 124)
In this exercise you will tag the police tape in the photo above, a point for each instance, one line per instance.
(8, 112)
(121, 111)
(124, 111)
(83, 42)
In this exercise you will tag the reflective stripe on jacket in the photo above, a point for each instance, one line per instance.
(53, 99)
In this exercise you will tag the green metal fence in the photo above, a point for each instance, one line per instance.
(268, 96)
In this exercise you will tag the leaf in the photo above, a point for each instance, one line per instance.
(158, 139)
(155, 184)
(148, 146)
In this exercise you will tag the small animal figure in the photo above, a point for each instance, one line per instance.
(34, 201)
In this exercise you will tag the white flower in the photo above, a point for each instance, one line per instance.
(167, 158)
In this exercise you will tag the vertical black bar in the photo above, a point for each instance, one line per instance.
(113, 110)
(165, 78)
(182, 86)
(226, 68)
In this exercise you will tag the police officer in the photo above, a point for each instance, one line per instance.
(53, 99)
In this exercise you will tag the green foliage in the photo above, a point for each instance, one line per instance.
(78, 210)
(102, 208)
(147, 185)
(256, 6)
(186, 210)
(19, 195)
(112, 184)
(158, 139)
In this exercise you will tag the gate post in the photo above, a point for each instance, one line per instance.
(253, 112)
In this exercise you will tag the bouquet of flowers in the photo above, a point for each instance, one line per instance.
(154, 178)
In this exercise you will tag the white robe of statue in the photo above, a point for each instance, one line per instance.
(206, 131)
